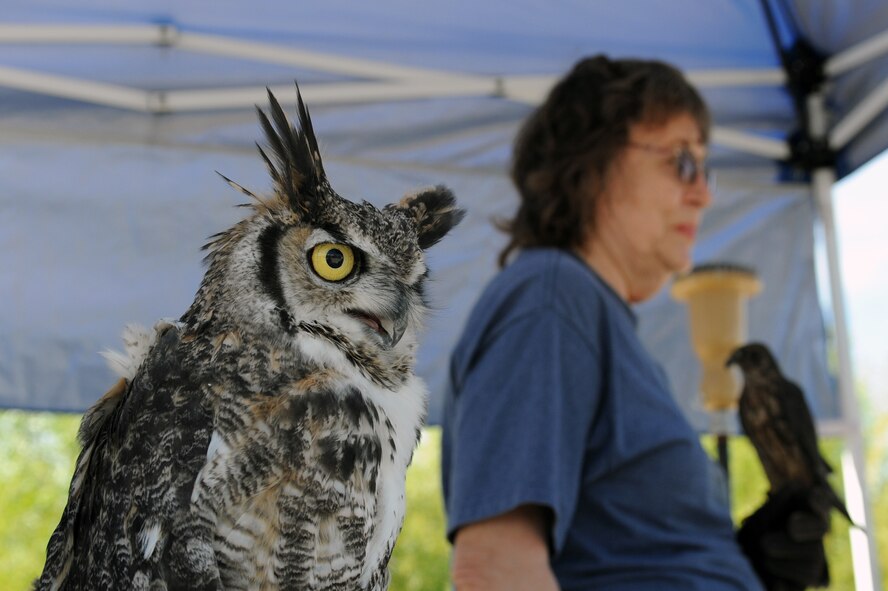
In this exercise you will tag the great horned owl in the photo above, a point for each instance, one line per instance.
(261, 442)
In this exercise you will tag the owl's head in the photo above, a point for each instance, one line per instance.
(308, 259)
(754, 359)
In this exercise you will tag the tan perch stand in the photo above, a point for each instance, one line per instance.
(717, 297)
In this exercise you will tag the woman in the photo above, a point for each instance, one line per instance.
(566, 462)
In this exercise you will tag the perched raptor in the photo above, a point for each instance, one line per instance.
(777, 421)
(261, 441)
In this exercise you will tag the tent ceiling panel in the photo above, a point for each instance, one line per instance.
(401, 97)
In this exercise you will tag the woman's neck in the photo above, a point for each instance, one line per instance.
(632, 286)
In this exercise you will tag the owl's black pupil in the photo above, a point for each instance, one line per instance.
(335, 258)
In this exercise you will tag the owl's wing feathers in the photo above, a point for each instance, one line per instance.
(801, 425)
(798, 416)
(142, 448)
(60, 549)
(765, 430)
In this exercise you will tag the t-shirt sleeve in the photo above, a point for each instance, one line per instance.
(521, 421)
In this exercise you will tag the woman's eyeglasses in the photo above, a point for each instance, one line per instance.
(687, 167)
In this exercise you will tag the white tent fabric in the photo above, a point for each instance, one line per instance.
(114, 117)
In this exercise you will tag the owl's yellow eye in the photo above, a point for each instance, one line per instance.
(333, 262)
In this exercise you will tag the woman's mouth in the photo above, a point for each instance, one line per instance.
(687, 230)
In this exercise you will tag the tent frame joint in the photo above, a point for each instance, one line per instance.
(809, 152)
(809, 146)
(805, 69)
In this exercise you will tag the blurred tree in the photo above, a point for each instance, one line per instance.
(38, 451)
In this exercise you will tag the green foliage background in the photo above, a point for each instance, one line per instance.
(38, 452)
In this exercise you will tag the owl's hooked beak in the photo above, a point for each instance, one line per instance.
(388, 330)
(734, 359)
(394, 329)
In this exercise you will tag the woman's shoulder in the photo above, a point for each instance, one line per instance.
(550, 270)
(544, 281)
(542, 291)
(560, 279)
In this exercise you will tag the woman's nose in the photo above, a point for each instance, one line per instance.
(699, 193)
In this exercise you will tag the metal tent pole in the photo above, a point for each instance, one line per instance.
(807, 74)
(863, 548)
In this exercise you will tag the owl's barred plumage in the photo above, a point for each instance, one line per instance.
(261, 442)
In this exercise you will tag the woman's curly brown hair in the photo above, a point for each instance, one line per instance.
(565, 148)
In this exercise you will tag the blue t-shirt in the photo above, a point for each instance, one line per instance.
(555, 402)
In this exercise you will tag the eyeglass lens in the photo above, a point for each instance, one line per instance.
(688, 167)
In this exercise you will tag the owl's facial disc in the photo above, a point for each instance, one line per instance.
(385, 330)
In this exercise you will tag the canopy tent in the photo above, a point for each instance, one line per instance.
(113, 119)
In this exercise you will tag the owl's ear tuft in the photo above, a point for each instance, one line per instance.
(293, 158)
(435, 213)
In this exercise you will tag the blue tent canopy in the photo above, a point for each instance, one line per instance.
(114, 117)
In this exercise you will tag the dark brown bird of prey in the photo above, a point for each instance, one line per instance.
(777, 421)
